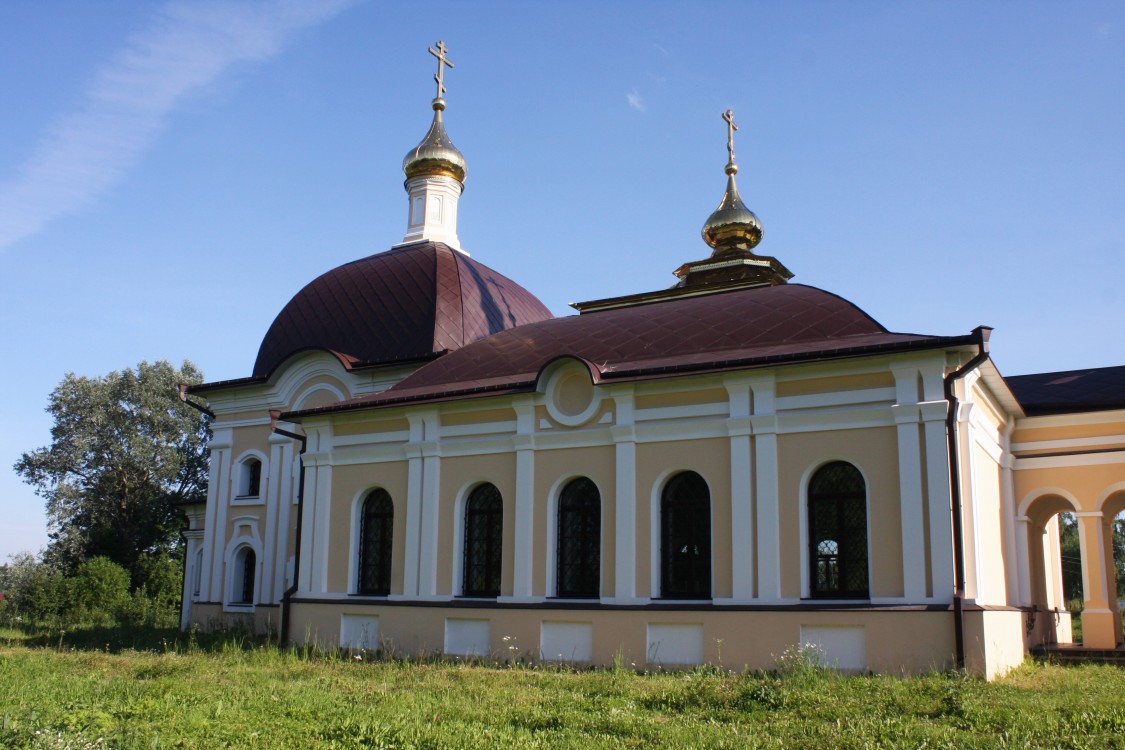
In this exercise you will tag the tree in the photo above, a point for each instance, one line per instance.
(124, 453)
(1071, 552)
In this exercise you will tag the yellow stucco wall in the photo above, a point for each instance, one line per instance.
(875, 453)
(553, 469)
(658, 462)
(915, 641)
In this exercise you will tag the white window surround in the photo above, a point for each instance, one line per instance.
(242, 539)
(655, 517)
(803, 508)
(235, 572)
(353, 535)
(240, 477)
(553, 498)
(459, 534)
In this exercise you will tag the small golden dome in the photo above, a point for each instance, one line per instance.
(435, 155)
(732, 226)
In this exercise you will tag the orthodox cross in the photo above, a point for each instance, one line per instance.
(442, 62)
(731, 127)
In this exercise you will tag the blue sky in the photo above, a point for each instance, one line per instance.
(171, 174)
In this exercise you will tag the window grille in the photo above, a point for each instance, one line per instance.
(685, 538)
(376, 532)
(837, 518)
(579, 541)
(484, 541)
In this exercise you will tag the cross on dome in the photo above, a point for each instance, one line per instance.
(442, 63)
(728, 116)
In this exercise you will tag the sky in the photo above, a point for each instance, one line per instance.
(171, 174)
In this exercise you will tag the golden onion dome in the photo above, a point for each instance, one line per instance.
(732, 226)
(435, 155)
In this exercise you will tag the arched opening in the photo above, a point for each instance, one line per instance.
(484, 542)
(1114, 511)
(685, 538)
(242, 576)
(1055, 561)
(376, 530)
(837, 533)
(578, 571)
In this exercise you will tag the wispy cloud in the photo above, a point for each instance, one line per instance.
(635, 100)
(185, 47)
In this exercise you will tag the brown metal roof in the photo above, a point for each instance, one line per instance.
(742, 328)
(1096, 389)
(402, 305)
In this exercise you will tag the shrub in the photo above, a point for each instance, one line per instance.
(100, 591)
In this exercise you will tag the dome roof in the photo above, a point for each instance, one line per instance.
(749, 327)
(732, 226)
(435, 155)
(406, 304)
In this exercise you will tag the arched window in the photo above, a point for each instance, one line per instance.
(250, 478)
(579, 541)
(245, 565)
(838, 532)
(484, 541)
(685, 538)
(376, 528)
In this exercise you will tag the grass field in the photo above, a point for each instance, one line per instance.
(161, 689)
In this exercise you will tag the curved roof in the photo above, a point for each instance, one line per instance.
(749, 327)
(406, 304)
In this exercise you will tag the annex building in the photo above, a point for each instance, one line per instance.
(425, 460)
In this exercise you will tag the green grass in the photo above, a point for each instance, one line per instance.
(160, 689)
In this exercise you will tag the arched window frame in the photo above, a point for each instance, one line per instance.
(251, 470)
(699, 583)
(473, 513)
(854, 545)
(565, 514)
(242, 574)
(373, 576)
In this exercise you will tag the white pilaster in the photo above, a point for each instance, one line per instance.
(766, 490)
(414, 500)
(625, 500)
(218, 497)
(318, 484)
(1012, 569)
(1023, 559)
(285, 491)
(272, 496)
(430, 498)
(524, 553)
(974, 583)
(427, 563)
(910, 499)
(940, 501)
(741, 494)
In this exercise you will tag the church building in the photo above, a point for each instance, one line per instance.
(425, 460)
